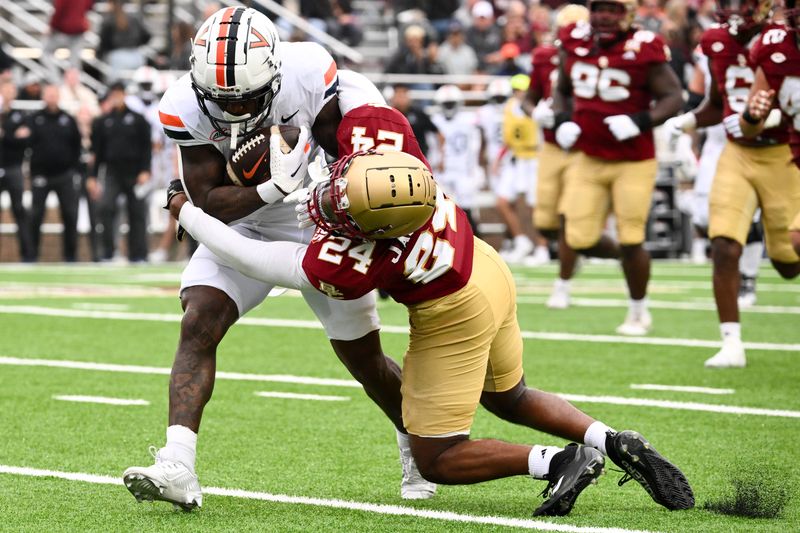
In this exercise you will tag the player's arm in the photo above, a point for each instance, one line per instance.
(759, 102)
(562, 95)
(666, 90)
(203, 174)
(326, 124)
(277, 263)
(709, 112)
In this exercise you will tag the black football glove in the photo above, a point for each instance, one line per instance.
(175, 188)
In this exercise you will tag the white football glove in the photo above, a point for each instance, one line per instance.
(543, 115)
(567, 133)
(732, 126)
(773, 119)
(622, 127)
(318, 169)
(300, 198)
(676, 126)
(287, 166)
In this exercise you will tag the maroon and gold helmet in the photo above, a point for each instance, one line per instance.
(741, 16)
(374, 195)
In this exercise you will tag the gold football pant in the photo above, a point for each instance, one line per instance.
(596, 186)
(553, 164)
(461, 345)
(749, 177)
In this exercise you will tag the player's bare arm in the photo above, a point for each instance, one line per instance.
(562, 96)
(666, 90)
(709, 112)
(204, 178)
(759, 103)
(326, 124)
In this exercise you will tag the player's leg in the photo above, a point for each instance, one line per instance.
(632, 191)
(733, 200)
(442, 383)
(750, 262)
(213, 297)
(506, 193)
(794, 233)
(587, 199)
(527, 187)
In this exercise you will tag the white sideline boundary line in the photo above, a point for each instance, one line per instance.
(681, 388)
(376, 508)
(675, 285)
(664, 304)
(295, 396)
(684, 406)
(98, 399)
(614, 400)
(312, 324)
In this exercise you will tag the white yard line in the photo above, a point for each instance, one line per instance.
(375, 508)
(683, 406)
(681, 388)
(672, 285)
(293, 396)
(614, 400)
(94, 306)
(663, 304)
(312, 324)
(100, 399)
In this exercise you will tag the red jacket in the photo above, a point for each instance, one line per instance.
(69, 16)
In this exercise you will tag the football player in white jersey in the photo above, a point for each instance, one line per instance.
(242, 77)
(460, 175)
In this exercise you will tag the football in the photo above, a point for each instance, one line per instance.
(249, 164)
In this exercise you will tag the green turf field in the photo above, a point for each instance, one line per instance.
(278, 464)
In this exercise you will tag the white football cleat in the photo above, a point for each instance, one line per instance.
(731, 355)
(636, 324)
(167, 481)
(522, 247)
(559, 299)
(413, 486)
(540, 256)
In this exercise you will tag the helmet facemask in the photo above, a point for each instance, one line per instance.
(743, 17)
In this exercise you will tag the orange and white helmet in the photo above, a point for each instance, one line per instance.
(236, 65)
(449, 98)
(498, 91)
(611, 18)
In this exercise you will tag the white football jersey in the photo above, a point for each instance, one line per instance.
(490, 120)
(310, 80)
(461, 142)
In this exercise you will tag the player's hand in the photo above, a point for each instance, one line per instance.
(318, 169)
(175, 193)
(622, 127)
(760, 104)
(175, 205)
(732, 126)
(543, 115)
(288, 166)
(567, 133)
(677, 126)
(300, 198)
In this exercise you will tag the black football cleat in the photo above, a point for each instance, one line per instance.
(571, 471)
(662, 480)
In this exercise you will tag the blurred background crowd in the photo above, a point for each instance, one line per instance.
(83, 156)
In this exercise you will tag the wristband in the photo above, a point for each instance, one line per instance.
(750, 119)
(642, 120)
(564, 116)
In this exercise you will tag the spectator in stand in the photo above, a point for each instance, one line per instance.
(539, 24)
(420, 121)
(441, 15)
(508, 55)
(11, 179)
(517, 29)
(31, 87)
(484, 35)
(177, 58)
(650, 16)
(345, 25)
(413, 57)
(85, 116)
(121, 38)
(456, 56)
(55, 144)
(5, 66)
(67, 26)
(75, 95)
(122, 149)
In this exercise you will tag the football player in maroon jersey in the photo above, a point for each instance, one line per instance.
(553, 161)
(609, 75)
(777, 83)
(752, 171)
(382, 222)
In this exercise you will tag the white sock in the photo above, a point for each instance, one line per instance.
(562, 285)
(539, 460)
(731, 330)
(637, 307)
(402, 440)
(595, 436)
(181, 446)
(751, 259)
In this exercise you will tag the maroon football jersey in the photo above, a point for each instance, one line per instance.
(544, 70)
(777, 53)
(610, 81)
(377, 126)
(734, 73)
(434, 261)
